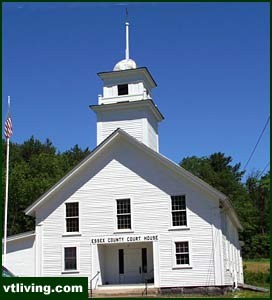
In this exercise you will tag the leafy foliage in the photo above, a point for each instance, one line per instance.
(257, 278)
(34, 168)
(250, 200)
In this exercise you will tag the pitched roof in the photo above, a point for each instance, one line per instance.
(125, 73)
(20, 236)
(130, 104)
(165, 161)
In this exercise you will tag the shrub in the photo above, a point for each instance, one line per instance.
(256, 278)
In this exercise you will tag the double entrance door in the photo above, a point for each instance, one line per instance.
(132, 265)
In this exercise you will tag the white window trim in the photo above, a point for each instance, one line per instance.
(119, 197)
(174, 264)
(184, 227)
(63, 271)
(71, 233)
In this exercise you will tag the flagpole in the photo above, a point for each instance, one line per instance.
(6, 198)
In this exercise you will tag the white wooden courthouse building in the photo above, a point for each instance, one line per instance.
(126, 212)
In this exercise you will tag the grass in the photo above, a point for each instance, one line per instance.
(238, 294)
(257, 260)
(257, 272)
(250, 294)
(256, 266)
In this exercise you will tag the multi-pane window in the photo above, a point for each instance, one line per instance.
(182, 253)
(72, 217)
(179, 211)
(122, 89)
(70, 258)
(123, 214)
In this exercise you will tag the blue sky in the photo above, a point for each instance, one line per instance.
(210, 61)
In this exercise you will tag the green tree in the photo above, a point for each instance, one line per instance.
(259, 193)
(71, 157)
(218, 171)
(34, 167)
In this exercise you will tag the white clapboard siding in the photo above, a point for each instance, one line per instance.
(139, 123)
(124, 171)
(152, 133)
(231, 251)
(132, 127)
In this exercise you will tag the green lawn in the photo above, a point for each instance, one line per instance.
(257, 272)
(257, 265)
(239, 294)
(250, 294)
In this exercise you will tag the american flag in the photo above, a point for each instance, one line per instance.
(8, 127)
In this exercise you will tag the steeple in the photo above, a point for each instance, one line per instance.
(127, 102)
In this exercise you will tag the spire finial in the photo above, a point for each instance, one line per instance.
(127, 36)
(126, 14)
